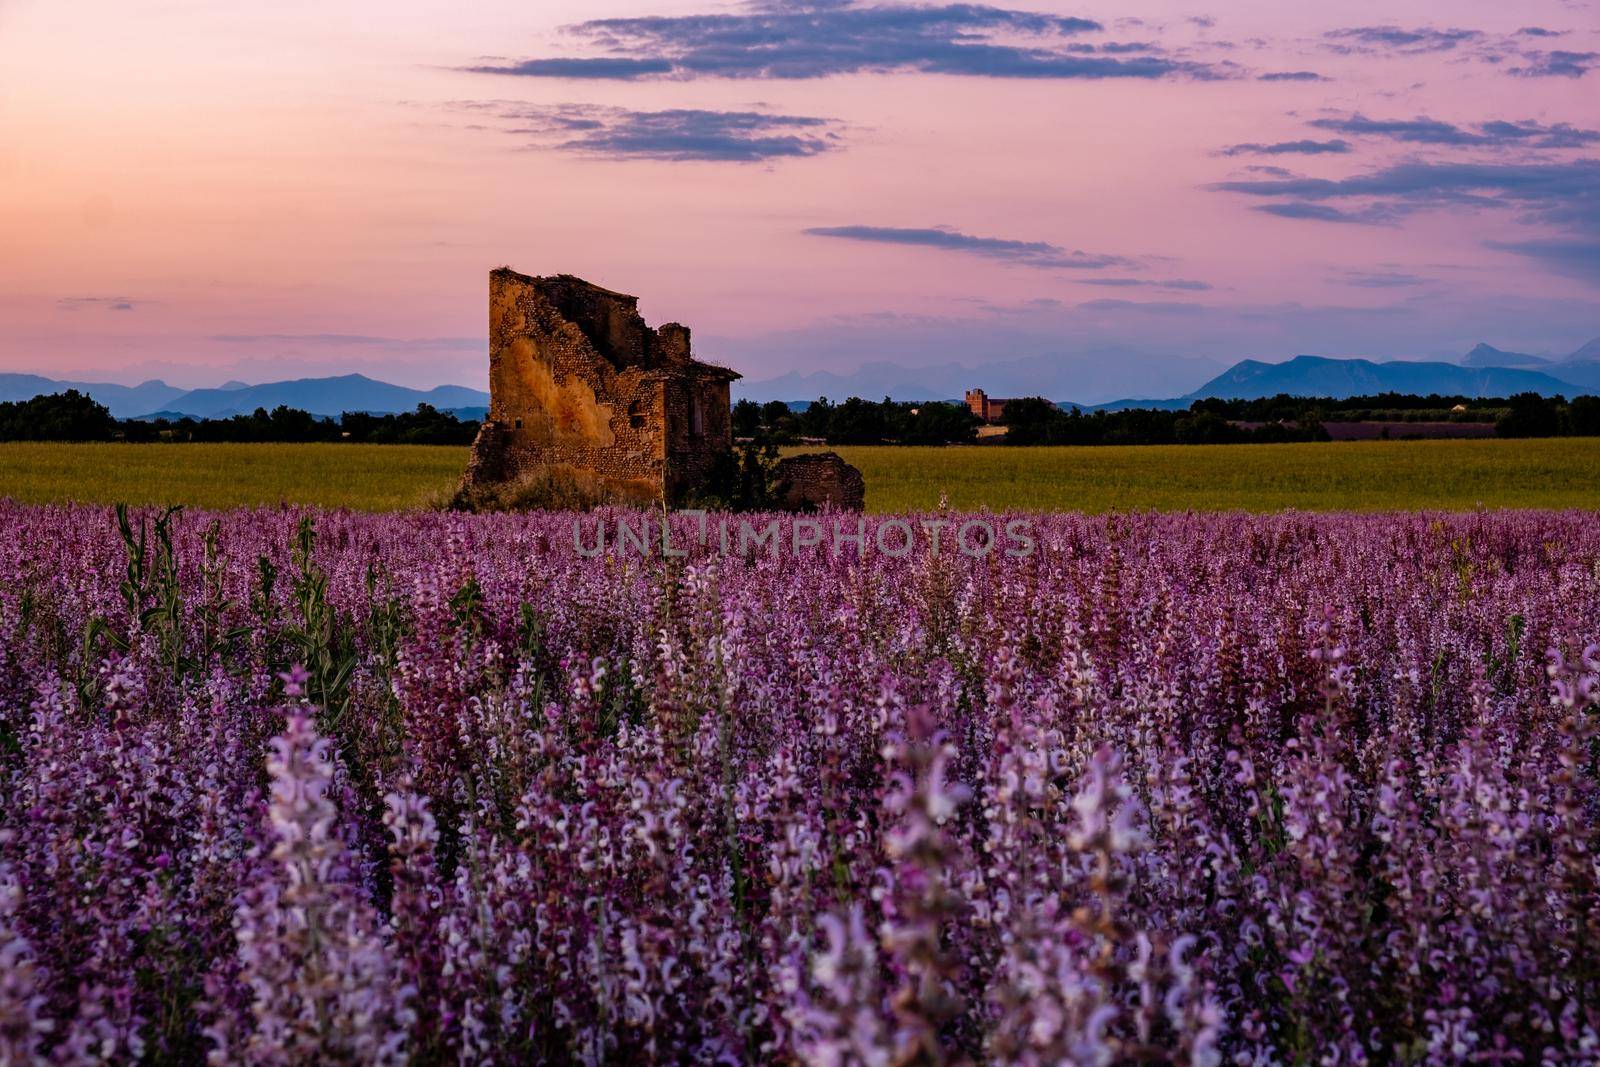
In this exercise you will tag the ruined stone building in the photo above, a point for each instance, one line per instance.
(576, 379)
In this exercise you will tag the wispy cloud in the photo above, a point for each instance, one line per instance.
(1528, 133)
(1567, 192)
(1143, 307)
(1515, 53)
(1557, 64)
(1039, 254)
(1397, 39)
(1290, 76)
(354, 340)
(103, 303)
(678, 135)
(611, 68)
(1561, 196)
(1288, 148)
(1363, 279)
(1498, 134)
(1301, 209)
(1172, 284)
(1577, 257)
(829, 37)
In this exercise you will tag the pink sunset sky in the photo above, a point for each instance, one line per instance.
(201, 191)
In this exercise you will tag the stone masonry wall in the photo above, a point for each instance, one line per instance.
(577, 378)
(816, 480)
(556, 398)
(691, 454)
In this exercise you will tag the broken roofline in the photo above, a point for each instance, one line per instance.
(696, 368)
(545, 279)
(693, 367)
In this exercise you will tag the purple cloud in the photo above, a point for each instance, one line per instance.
(1396, 39)
(678, 135)
(1557, 64)
(1021, 253)
(1289, 148)
(816, 40)
(1561, 196)
(1526, 133)
(1172, 284)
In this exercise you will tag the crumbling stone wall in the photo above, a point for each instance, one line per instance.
(818, 480)
(576, 378)
(699, 430)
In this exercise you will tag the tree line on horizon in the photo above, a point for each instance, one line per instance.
(1036, 421)
(74, 416)
(857, 422)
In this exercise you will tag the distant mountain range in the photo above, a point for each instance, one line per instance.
(1484, 371)
(1483, 355)
(320, 396)
(125, 401)
(1318, 376)
(1105, 373)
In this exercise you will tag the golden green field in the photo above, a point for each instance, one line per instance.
(1326, 476)
(1360, 476)
(363, 477)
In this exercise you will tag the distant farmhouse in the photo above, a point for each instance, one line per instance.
(577, 380)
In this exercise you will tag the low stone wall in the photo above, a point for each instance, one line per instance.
(819, 480)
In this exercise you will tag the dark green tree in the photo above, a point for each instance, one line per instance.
(814, 420)
(746, 418)
(937, 423)
(1530, 415)
(1032, 420)
(67, 416)
(858, 422)
(1583, 416)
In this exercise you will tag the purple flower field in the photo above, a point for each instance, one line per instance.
(289, 787)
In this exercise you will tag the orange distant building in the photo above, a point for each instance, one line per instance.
(985, 407)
